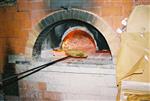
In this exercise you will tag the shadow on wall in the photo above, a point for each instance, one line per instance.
(9, 70)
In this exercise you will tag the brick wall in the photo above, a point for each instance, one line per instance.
(17, 21)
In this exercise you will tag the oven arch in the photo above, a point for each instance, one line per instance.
(73, 14)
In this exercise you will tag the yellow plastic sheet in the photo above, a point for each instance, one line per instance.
(133, 58)
(133, 62)
(133, 97)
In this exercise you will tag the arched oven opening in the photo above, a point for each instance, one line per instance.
(70, 34)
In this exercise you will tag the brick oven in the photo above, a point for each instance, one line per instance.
(92, 78)
(36, 32)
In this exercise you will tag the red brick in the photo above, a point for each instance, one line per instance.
(23, 84)
(22, 92)
(54, 96)
(108, 19)
(42, 86)
(39, 5)
(127, 1)
(96, 10)
(127, 8)
(98, 2)
(117, 22)
(23, 5)
(111, 3)
(36, 16)
(16, 45)
(142, 2)
(24, 19)
(111, 10)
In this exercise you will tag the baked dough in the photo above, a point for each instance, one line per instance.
(76, 53)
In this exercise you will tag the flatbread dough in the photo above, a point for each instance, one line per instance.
(76, 53)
